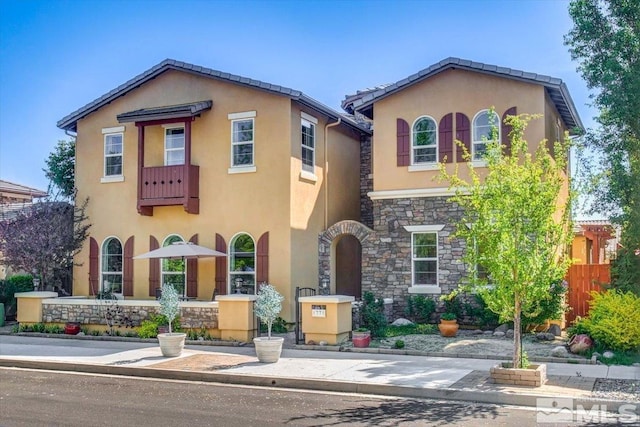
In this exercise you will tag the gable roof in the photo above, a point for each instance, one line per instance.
(555, 87)
(69, 122)
(17, 189)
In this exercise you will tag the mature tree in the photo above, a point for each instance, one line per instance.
(605, 39)
(515, 226)
(44, 237)
(60, 167)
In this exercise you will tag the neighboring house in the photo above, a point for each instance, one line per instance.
(294, 192)
(186, 153)
(594, 242)
(13, 198)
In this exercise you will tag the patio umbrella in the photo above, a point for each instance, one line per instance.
(181, 250)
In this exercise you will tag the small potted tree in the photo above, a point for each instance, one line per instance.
(448, 325)
(267, 307)
(171, 343)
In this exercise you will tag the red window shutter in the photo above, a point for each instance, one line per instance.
(221, 266)
(463, 134)
(262, 270)
(403, 142)
(192, 272)
(506, 130)
(445, 139)
(94, 266)
(127, 279)
(154, 268)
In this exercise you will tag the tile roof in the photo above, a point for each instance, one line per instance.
(11, 187)
(168, 112)
(555, 87)
(69, 122)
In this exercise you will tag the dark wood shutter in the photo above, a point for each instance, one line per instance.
(127, 279)
(221, 266)
(154, 268)
(463, 134)
(445, 139)
(94, 266)
(192, 272)
(262, 270)
(506, 130)
(403, 142)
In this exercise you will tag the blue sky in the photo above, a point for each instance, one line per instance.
(56, 56)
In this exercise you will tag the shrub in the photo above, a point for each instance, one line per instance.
(279, 326)
(398, 344)
(550, 307)
(8, 287)
(420, 308)
(453, 304)
(614, 319)
(480, 313)
(373, 317)
(148, 329)
(420, 329)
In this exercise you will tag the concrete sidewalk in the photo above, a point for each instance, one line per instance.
(383, 374)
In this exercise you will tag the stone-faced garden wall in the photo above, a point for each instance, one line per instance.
(386, 253)
(193, 314)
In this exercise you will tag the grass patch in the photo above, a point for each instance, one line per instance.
(416, 329)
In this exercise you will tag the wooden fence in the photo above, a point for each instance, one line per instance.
(583, 279)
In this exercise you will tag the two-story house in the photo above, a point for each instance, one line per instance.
(186, 153)
(415, 123)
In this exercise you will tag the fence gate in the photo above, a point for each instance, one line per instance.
(301, 292)
(582, 279)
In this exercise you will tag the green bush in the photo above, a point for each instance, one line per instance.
(11, 285)
(398, 344)
(279, 326)
(453, 304)
(148, 329)
(480, 313)
(373, 317)
(419, 329)
(614, 320)
(420, 308)
(549, 308)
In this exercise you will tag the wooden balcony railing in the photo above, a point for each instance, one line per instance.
(169, 185)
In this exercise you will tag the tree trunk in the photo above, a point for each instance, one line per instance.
(517, 337)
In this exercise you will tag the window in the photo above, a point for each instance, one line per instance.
(242, 142)
(113, 154)
(111, 266)
(486, 128)
(424, 258)
(308, 143)
(173, 269)
(242, 264)
(424, 141)
(174, 146)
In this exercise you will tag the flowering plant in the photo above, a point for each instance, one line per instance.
(169, 303)
(268, 305)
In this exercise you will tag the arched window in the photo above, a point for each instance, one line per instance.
(111, 279)
(486, 128)
(242, 264)
(424, 141)
(173, 269)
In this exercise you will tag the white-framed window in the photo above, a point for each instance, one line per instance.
(424, 141)
(424, 258)
(242, 142)
(173, 270)
(242, 264)
(308, 142)
(112, 256)
(486, 128)
(174, 145)
(113, 154)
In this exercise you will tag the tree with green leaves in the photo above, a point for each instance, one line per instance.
(605, 39)
(516, 226)
(60, 168)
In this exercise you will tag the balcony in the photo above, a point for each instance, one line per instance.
(169, 186)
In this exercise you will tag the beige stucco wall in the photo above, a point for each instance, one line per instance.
(451, 91)
(269, 199)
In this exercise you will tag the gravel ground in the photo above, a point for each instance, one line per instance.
(628, 390)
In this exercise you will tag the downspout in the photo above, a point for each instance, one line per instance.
(326, 170)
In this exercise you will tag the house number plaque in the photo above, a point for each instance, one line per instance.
(318, 311)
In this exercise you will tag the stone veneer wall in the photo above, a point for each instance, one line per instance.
(90, 312)
(366, 182)
(386, 253)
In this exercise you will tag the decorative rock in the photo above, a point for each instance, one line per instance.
(498, 334)
(311, 342)
(401, 322)
(477, 332)
(200, 338)
(580, 343)
(509, 333)
(487, 333)
(545, 336)
(555, 330)
(608, 354)
(502, 328)
(560, 351)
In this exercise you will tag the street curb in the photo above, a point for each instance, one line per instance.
(476, 396)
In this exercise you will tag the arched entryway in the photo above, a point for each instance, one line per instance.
(340, 258)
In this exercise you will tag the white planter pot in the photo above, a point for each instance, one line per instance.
(268, 350)
(172, 344)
